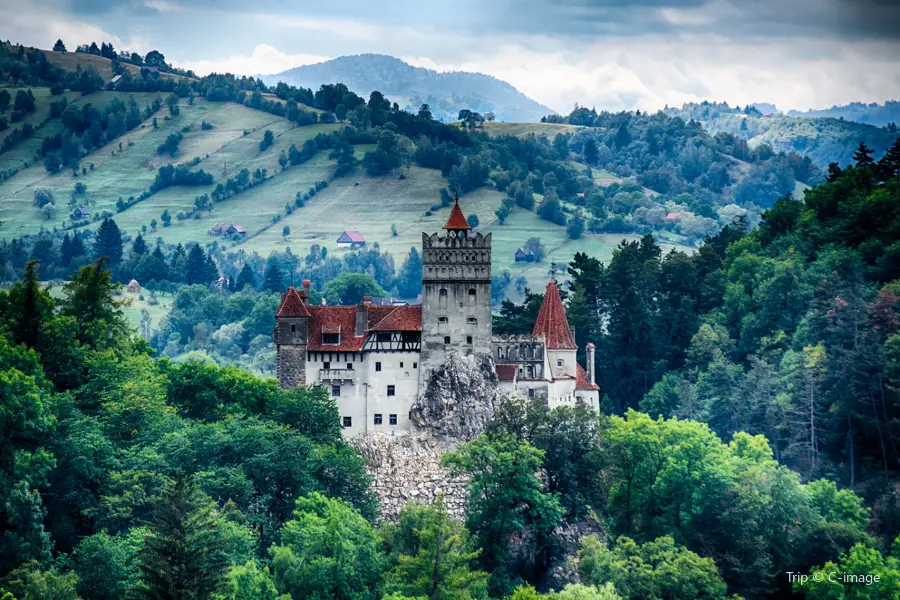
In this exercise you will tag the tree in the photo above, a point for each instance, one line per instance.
(155, 58)
(862, 573)
(268, 140)
(283, 160)
(139, 247)
(328, 550)
(249, 582)
(473, 220)
(273, 280)
(505, 497)
(349, 289)
(107, 564)
(24, 537)
(198, 270)
(657, 569)
(166, 218)
(862, 156)
(575, 228)
(591, 153)
(286, 232)
(108, 243)
(433, 556)
(246, 278)
(425, 113)
(59, 46)
(90, 300)
(43, 196)
(184, 554)
(27, 307)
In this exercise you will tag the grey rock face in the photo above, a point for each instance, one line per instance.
(460, 398)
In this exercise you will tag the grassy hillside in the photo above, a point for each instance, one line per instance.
(371, 205)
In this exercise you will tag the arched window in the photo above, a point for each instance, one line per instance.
(443, 298)
(472, 321)
(473, 296)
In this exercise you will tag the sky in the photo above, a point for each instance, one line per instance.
(610, 54)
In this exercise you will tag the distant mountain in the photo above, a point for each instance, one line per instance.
(410, 87)
(876, 114)
(823, 139)
(765, 107)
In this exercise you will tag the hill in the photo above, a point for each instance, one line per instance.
(446, 93)
(879, 115)
(823, 139)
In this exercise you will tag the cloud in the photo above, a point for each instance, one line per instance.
(263, 60)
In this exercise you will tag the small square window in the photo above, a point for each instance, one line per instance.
(392, 419)
(446, 339)
(378, 366)
(349, 366)
(348, 421)
(293, 329)
(468, 339)
(559, 362)
(415, 365)
(335, 390)
(442, 319)
(390, 390)
(326, 365)
(378, 418)
(531, 393)
(401, 364)
(331, 339)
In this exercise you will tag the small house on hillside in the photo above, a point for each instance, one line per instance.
(351, 239)
(148, 71)
(523, 255)
(81, 213)
(236, 230)
(217, 228)
(134, 286)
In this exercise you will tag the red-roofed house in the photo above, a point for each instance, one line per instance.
(351, 239)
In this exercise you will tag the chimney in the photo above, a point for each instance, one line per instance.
(590, 362)
(362, 317)
(305, 293)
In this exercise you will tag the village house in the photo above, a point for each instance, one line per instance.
(351, 239)
(81, 213)
(523, 255)
(376, 359)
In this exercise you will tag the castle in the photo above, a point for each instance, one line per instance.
(377, 360)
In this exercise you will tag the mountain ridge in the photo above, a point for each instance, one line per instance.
(445, 92)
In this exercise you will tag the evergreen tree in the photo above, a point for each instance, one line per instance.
(183, 558)
(25, 538)
(889, 165)
(197, 271)
(274, 278)
(90, 300)
(409, 283)
(210, 270)
(623, 136)
(139, 247)
(108, 243)
(863, 156)
(59, 46)
(65, 251)
(591, 152)
(78, 248)
(246, 278)
(27, 307)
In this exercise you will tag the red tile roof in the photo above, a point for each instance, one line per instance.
(331, 319)
(506, 372)
(353, 236)
(552, 322)
(398, 318)
(292, 305)
(457, 219)
(583, 383)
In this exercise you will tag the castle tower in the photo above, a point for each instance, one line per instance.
(456, 293)
(553, 324)
(291, 335)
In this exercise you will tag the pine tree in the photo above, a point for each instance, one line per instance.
(65, 251)
(108, 243)
(863, 156)
(139, 247)
(274, 278)
(210, 270)
(889, 165)
(183, 557)
(28, 306)
(197, 271)
(25, 538)
(59, 46)
(90, 299)
(246, 278)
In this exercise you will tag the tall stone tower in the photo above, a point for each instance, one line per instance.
(456, 294)
(291, 334)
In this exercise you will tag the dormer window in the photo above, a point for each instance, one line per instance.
(331, 339)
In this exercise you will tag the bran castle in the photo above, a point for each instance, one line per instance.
(377, 360)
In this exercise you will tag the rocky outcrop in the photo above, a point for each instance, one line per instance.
(460, 398)
(457, 406)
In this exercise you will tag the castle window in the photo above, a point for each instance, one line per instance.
(401, 364)
(531, 393)
(326, 365)
(442, 297)
(468, 339)
(383, 336)
(442, 319)
(391, 390)
(559, 363)
(378, 366)
(348, 422)
(446, 339)
(472, 296)
(378, 418)
(472, 321)
(392, 419)
(530, 372)
(415, 365)
(331, 339)
(349, 366)
(335, 390)
(293, 329)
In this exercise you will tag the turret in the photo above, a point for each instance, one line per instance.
(291, 335)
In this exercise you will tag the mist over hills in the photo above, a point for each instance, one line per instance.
(410, 87)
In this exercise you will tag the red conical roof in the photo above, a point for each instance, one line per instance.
(292, 305)
(457, 220)
(552, 322)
